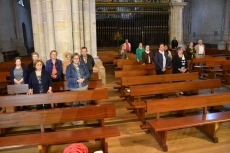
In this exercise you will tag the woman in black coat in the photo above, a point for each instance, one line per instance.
(40, 82)
(180, 64)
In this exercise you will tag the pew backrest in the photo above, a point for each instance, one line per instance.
(184, 103)
(138, 67)
(59, 97)
(63, 85)
(142, 90)
(52, 116)
(119, 74)
(17, 89)
(121, 63)
(150, 79)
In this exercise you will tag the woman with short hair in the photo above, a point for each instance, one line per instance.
(77, 75)
(54, 66)
(180, 64)
(18, 73)
(40, 82)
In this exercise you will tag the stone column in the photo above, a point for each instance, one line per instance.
(76, 26)
(81, 18)
(93, 29)
(87, 33)
(1, 58)
(175, 22)
(63, 26)
(38, 30)
(47, 9)
(227, 25)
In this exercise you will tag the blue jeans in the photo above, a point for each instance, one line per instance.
(79, 103)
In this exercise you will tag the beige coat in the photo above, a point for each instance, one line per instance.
(197, 51)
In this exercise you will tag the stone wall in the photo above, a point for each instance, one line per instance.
(7, 29)
(12, 15)
(206, 20)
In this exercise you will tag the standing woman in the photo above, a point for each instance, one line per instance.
(18, 73)
(167, 51)
(66, 62)
(180, 64)
(122, 53)
(139, 52)
(77, 75)
(54, 66)
(40, 82)
(190, 52)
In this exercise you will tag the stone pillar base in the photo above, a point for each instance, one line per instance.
(1, 58)
(228, 46)
(100, 69)
(22, 50)
(222, 45)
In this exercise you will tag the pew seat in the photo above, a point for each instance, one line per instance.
(54, 116)
(207, 123)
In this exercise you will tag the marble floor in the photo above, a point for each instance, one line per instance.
(134, 140)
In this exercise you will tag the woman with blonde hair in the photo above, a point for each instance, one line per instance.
(122, 53)
(66, 62)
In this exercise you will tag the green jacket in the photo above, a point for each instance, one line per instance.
(139, 52)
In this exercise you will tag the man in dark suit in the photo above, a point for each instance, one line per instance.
(161, 60)
(88, 60)
(174, 43)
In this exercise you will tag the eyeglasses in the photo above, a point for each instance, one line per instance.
(75, 58)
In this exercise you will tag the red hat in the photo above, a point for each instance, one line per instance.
(76, 148)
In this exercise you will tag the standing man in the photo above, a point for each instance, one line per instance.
(88, 60)
(200, 49)
(147, 56)
(127, 46)
(174, 43)
(161, 60)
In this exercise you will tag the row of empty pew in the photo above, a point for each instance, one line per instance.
(148, 94)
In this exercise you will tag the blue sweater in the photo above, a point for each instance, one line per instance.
(49, 67)
(72, 75)
(12, 75)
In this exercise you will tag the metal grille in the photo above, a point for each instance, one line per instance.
(141, 21)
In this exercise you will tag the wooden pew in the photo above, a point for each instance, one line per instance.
(122, 62)
(53, 116)
(63, 86)
(153, 89)
(138, 67)
(206, 123)
(214, 67)
(152, 79)
(203, 60)
(3, 84)
(119, 74)
(57, 87)
(17, 89)
(58, 97)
